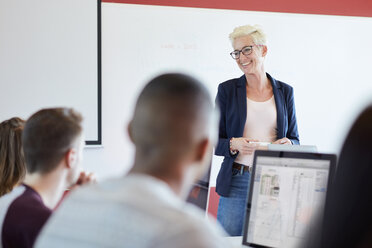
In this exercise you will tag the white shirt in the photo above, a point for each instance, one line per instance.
(135, 211)
(260, 125)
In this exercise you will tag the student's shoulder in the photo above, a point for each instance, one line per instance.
(197, 222)
(25, 216)
(193, 229)
(86, 212)
(24, 202)
(98, 191)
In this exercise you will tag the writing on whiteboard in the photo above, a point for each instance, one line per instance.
(183, 46)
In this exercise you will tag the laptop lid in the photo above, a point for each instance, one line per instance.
(287, 191)
(293, 148)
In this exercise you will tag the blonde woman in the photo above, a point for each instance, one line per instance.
(255, 109)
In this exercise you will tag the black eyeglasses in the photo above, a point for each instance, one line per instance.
(245, 50)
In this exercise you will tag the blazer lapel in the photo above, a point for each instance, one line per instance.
(279, 102)
(242, 103)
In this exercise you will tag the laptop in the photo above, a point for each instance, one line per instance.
(293, 148)
(287, 192)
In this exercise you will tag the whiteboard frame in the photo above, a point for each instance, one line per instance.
(98, 141)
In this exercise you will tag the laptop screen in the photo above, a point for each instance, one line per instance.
(288, 190)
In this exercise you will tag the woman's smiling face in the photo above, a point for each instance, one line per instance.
(252, 63)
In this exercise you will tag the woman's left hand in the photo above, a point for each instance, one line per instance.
(283, 141)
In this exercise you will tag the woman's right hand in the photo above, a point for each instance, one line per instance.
(243, 146)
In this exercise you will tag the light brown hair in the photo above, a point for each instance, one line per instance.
(12, 163)
(47, 136)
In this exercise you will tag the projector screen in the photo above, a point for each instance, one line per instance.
(50, 57)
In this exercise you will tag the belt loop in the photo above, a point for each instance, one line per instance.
(241, 170)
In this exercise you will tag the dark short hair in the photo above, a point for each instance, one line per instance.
(168, 110)
(47, 136)
(12, 164)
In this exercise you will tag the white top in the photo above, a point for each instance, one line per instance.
(260, 125)
(135, 211)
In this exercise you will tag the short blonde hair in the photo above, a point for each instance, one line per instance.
(255, 31)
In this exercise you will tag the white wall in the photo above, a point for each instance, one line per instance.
(48, 58)
(325, 58)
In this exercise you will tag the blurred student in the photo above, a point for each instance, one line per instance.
(12, 164)
(174, 128)
(52, 144)
(347, 220)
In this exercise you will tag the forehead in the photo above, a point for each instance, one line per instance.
(242, 41)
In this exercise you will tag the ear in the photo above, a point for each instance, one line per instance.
(70, 158)
(130, 131)
(202, 150)
(264, 51)
(203, 158)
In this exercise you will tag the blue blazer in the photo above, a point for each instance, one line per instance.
(232, 101)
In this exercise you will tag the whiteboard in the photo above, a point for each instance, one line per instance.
(49, 58)
(325, 58)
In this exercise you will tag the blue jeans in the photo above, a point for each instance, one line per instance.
(231, 209)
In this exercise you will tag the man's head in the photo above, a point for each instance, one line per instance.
(174, 123)
(52, 136)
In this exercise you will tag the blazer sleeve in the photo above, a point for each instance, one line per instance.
(292, 132)
(223, 145)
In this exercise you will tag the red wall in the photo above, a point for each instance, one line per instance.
(324, 7)
(213, 201)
